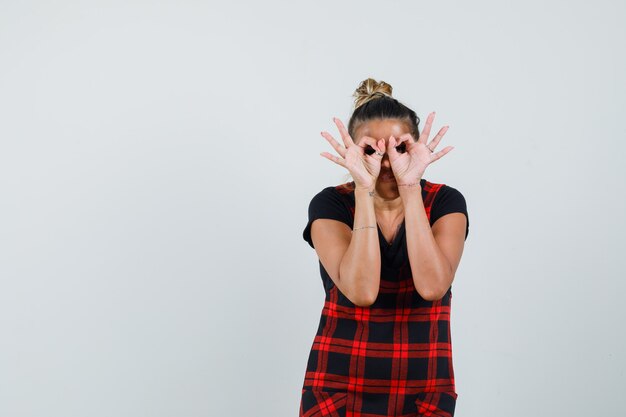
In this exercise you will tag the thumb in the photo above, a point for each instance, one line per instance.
(381, 146)
(391, 148)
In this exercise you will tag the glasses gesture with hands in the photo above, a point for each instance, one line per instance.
(408, 164)
(364, 167)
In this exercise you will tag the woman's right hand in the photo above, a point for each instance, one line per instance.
(363, 167)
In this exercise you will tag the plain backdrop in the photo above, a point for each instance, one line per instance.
(157, 160)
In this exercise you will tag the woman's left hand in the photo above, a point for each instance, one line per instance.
(409, 167)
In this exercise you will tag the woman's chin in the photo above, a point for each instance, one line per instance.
(387, 178)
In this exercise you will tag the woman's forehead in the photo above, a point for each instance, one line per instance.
(383, 128)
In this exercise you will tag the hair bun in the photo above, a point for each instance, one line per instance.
(370, 89)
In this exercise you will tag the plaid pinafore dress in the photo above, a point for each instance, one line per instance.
(392, 358)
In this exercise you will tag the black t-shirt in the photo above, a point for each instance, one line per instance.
(331, 204)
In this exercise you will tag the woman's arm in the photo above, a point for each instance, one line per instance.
(434, 254)
(352, 258)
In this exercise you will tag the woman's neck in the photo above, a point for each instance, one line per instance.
(387, 201)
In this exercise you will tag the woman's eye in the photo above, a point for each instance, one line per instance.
(369, 150)
(401, 148)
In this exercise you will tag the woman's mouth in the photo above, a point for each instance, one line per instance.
(387, 176)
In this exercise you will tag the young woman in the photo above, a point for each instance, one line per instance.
(389, 243)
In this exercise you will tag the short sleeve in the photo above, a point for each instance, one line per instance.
(327, 204)
(449, 200)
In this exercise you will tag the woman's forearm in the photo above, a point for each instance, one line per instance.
(359, 269)
(431, 270)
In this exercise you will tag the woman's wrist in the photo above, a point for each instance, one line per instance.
(410, 183)
(409, 188)
(358, 189)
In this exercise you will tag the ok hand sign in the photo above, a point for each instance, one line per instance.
(409, 167)
(364, 167)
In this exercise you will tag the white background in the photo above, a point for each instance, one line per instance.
(157, 160)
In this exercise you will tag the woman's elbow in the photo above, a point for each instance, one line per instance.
(363, 299)
(435, 295)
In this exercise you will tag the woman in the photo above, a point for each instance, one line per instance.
(389, 243)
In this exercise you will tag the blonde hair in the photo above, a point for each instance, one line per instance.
(370, 89)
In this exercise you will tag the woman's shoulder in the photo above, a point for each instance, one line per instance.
(344, 188)
(441, 189)
(336, 192)
(447, 199)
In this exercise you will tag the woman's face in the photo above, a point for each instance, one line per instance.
(383, 129)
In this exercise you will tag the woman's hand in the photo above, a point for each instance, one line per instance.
(409, 167)
(364, 167)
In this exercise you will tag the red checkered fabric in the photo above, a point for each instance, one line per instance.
(393, 358)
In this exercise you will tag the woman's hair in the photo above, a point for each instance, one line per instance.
(373, 100)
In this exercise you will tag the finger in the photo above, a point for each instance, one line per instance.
(347, 140)
(366, 140)
(406, 137)
(334, 158)
(438, 155)
(341, 151)
(426, 131)
(391, 148)
(433, 144)
(408, 141)
(381, 145)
